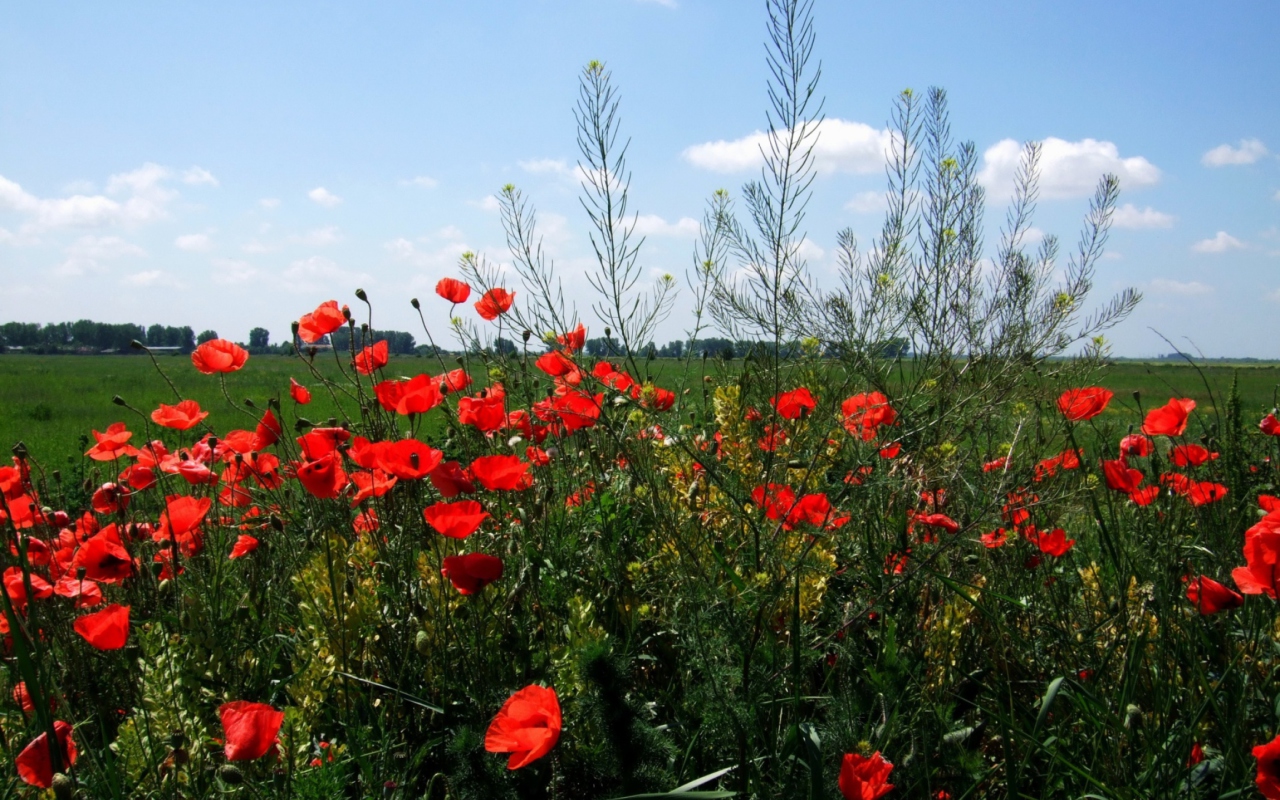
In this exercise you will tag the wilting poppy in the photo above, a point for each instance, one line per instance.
(453, 290)
(865, 413)
(794, 404)
(34, 765)
(472, 572)
(300, 394)
(502, 473)
(107, 629)
(1210, 597)
(323, 478)
(574, 339)
(409, 459)
(371, 358)
(455, 520)
(249, 729)
(1078, 405)
(451, 480)
(245, 544)
(494, 302)
(113, 444)
(183, 416)
(219, 355)
(864, 778)
(1170, 419)
(104, 558)
(319, 323)
(1268, 778)
(527, 726)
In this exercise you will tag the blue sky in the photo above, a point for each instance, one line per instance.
(231, 165)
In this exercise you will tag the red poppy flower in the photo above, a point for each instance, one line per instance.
(1261, 575)
(1135, 444)
(409, 459)
(1270, 425)
(812, 509)
(107, 629)
(577, 410)
(326, 319)
(266, 433)
(113, 444)
(323, 478)
(451, 480)
(245, 544)
(776, 499)
(182, 517)
(995, 538)
(864, 778)
(455, 520)
(1204, 492)
(366, 521)
(300, 394)
(1268, 503)
(486, 413)
(537, 456)
(34, 765)
(774, 437)
(86, 593)
(320, 442)
(1053, 543)
(1191, 455)
(104, 558)
(494, 302)
(183, 416)
(16, 587)
(1170, 419)
(794, 404)
(1210, 597)
(1145, 496)
(371, 358)
(556, 364)
(472, 572)
(249, 729)
(996, 465)
(1120, 477)
(1268, 778)
(657, 398)
(453, 290)
(890, 451)
(1067, 459)
(932, 521)
(1078, 405)
(417, 395)
(370, 483)
(865, 413)
(219, 355)
(527, 726)
(453, 381)
(110, 498)
(502, 473)
(574, 339)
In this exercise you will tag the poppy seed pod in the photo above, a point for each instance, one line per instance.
(526, 334)
(346, 313)
(118, 400)
(294, 327)
(137, 345)
(414, 302)
(362, 296)
(422, 643)
(63, 787)
(230, 775)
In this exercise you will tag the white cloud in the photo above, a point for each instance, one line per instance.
(269, 202)
(324, 197)
(146, 201)
(193, 242)
(151, 277)
(320, 237)
(654, 225)
(487, 203)
(1220, 243)
(1183, 288)
(87, 253)
(1224, 155)
(1067, 169)
(421, 180)
(306, 274)
(232, 271)
(438, 261)
(539, 166)
(197, 176)
(867, 203)
(255, 247)
(1130, 216)
(841, 146)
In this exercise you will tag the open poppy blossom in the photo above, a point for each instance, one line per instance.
(657, 398)
(1145, 496)
(471, 572)
(16, 587)
(1270, 426)
(527, 726)
(409, 459)
(453, 290)
(34, 764)
(418, 395)
(245, 544)
(300, 394)
(326, 319)
(1067, 459)
(794, 404)
(249, 729)
(502, 473)
(863, 414)
(1211, 597)
(180, 417)
(1078, 405)
(86, 592)
(1054, 543)
(487, 413)
(110, 498)
(219, 356)
(1204, 492)
(451, 480)
(1261, 573)
(1120, 477)
(370, 483)
(104, 558)
(456, 520)
(107, 629)
(1191, 455)
(495, 302)
(574, 339)
(863, 778)
(556, 364)
(577, 410)
(1135, 444)
(1170, 419)
(1268, 777)
(320, 442)
(994, 539)
(113, 444)
(371, 358)
(455, 380)
(323, 478)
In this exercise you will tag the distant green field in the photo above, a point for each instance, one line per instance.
(49, 402)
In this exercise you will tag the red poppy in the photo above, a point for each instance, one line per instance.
(865, 413)
(494, 302)
(1268, 503)
(1145, 496)
(86, 593)
(455, 520)
(371, 358)
(183, 416)
(1261, 575)
(864, 778)
(502, 473)
(320, 442)
(776, 499)
(890, 451)
(995, 538)
(1270, 425)
(16, 587)
(300, 394)
(1135, 444)
(371, 483)
(453, 381)
(1170, 419)
(1211, 597)
(1268, 779)
(1191, 455)
(409, 459)
(1204, 492)
(245, 544)
(1067, 459)
(527, 726)
(537, 456)
(577, 410)
(1078, 405)
(574, 339)
(249, 729)
(219, 355)
(774, 437)
(486, 413)
(1053, 543)
(323, 478)
(326, 319)
(417, 395)
(453, 290)
(182, 518)
(451, 480)
(267, 432)
(657, 398)
(107, 629)
(932, 521)
(34, 765)
(113, 444)
(556, 364)
(103, 557)
(366, 521)
(794, 404)
(1120, 477)
(812, 509)
(998, 464)
(472, 572)
(110, 498)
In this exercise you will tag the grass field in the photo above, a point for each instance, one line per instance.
(49, 402)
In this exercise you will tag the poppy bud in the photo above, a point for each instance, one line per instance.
(422, 643)
(607, 333)
(156, 568)
(213, 442)
(461, 361)
(295, 328)
(230, 775)
(177, 739)
(137, 345)
(57, 476)
(302, 424)
(362, 296)
(277, 523)
(80, 573)
(1137, 396)
(414, 302)
(249, 403)
(526, 334)
(346, 313)
(273, 403)
(1132, 713)
(118, 400)
(63, 787)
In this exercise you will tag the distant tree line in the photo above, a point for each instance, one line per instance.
(87, 336)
